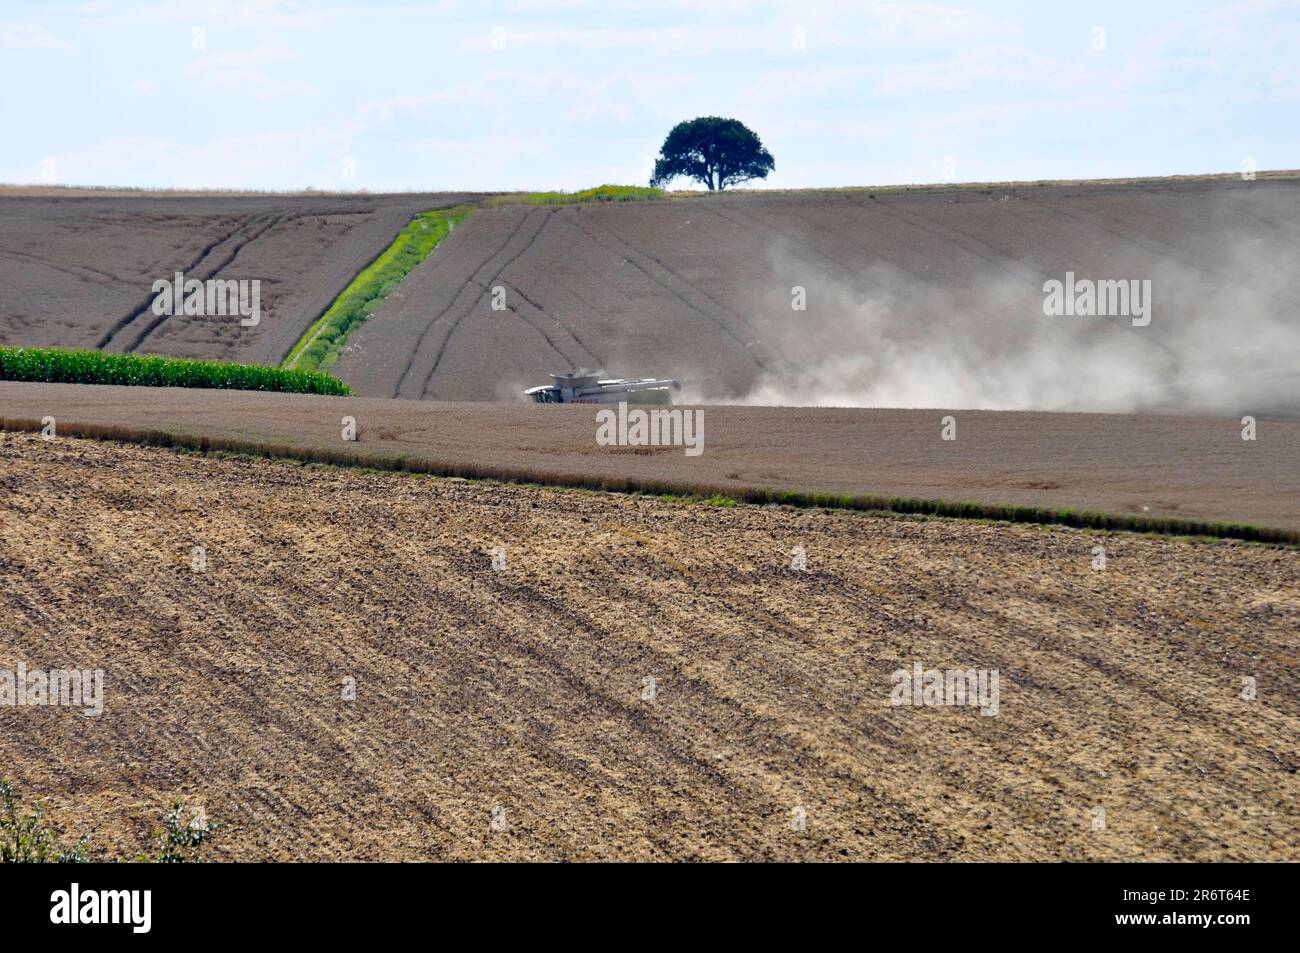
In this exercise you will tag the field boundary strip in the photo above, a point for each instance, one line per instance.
(867, 503)
(601, 193)
(369, 287)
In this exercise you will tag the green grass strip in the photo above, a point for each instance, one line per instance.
(320, 347)
(602, 193)
(56, 366)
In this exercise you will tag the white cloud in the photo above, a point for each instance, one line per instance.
(253, 71)
(584, 85)
(692, 40)
(386, 110)
(28, 36)
(269, 160)
(930, 23)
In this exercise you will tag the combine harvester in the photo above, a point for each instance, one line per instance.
(585, 386)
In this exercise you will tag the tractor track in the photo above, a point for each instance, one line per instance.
(477, 287)
(999, 259)
(558, 322)
(105, 251)
(251, 231)
(630, 255)
(482, 287)
(120, 324)
(1161, 249)
(84, 272)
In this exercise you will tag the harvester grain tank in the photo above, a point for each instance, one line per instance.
(584, 386)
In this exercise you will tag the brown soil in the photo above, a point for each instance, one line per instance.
(904, 281)
(1189, 468)
(701, 289)
(522, 689)
(77, 268)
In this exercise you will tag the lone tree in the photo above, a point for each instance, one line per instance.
(718, 152)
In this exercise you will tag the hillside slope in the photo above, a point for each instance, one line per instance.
(77, 267)
(931, 298)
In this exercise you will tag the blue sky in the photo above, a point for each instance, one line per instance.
(537, 94)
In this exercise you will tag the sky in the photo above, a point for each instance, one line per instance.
(567, 94)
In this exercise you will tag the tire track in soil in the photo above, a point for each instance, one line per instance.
(803, 250)
(758, 666)
(119, 325)
(948, 637)
(1159, 248)
(677, 276)
(268, 222)
(630, 255)
(954, 320)
(1257, 215)
(554, 319)
(523, 602)
(243, 236)
(704, 701)
(1076, 687)
(84, 272)
(482, 287)
(410, 361)
(564, 326)
(541, 331)
(590, 307)
(841, 738)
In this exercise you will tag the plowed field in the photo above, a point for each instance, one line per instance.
(510, 713)
(909, 299)
(77, 269)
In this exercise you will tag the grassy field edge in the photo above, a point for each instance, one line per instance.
(601, 193)
(1000, 512)
(320, 345)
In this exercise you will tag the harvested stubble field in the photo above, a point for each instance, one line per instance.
(521, 690)
(1127, 465)
(904, 289)
(77, 266)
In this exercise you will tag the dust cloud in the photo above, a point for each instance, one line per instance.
(1223, 339)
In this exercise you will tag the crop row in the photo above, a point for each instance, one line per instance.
(54, 366)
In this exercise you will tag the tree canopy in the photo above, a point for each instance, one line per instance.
(717, 152)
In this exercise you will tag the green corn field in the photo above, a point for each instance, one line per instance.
(55, 366)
